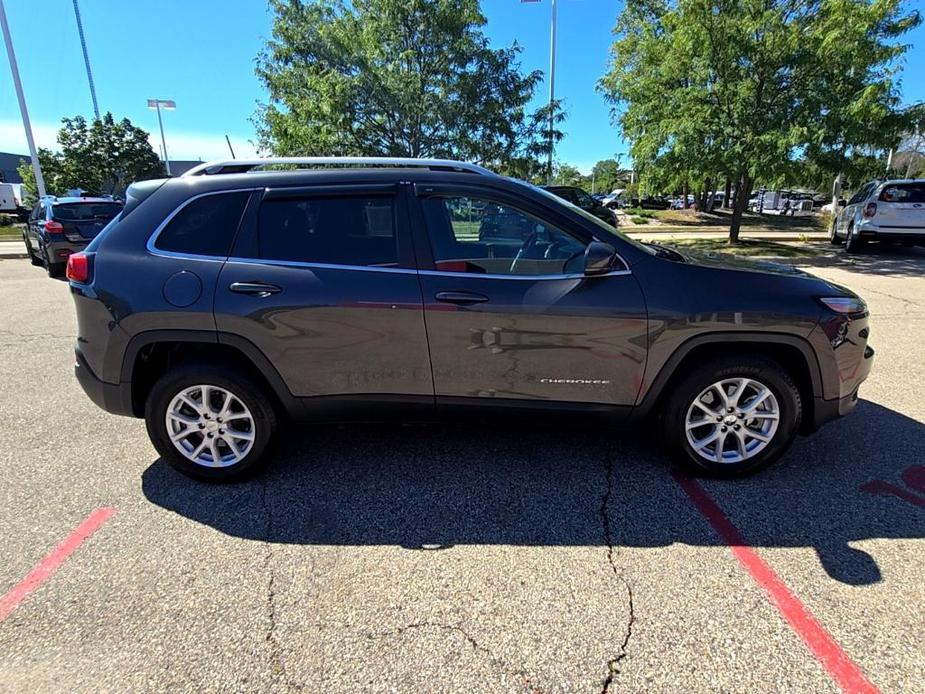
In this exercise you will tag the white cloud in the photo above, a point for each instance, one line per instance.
(180, 145)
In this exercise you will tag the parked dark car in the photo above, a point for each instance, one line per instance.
(221, 302)
(651, 202)
(582, 199)
(58, 227)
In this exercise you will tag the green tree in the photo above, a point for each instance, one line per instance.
(413, 78)
(51, 173)
(710, 89)
(567, 175)
(608, 175)
(103, 156)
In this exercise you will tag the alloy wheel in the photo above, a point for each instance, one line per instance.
(732, 420)
(210, 426)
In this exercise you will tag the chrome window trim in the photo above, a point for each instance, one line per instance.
(492, 276)
(320, 266)
(152, 240)
(411, 271)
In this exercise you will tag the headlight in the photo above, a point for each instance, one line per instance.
(844, 304)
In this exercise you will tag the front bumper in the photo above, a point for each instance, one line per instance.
(828, 410)
(112, 397)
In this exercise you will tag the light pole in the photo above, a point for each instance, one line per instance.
(36, 167)
(157, 105)
(552, 90)
(83, 46)
(552, 87)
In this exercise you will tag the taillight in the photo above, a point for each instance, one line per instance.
(78, 267)
(54, 227)
(870, 210)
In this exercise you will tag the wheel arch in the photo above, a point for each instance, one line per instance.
(149, 355)
(794, 354)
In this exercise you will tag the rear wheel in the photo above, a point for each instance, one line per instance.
(733, 416)
(33, 258)
(53, 269)
(854, 243)
(209, 422)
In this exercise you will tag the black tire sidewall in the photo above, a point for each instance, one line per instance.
(853, 242)
(242, 387)
(762, 370)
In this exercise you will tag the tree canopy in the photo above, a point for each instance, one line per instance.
(413, 78)
(710, 89)
(103, 157)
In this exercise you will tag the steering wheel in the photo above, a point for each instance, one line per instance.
(527, 246)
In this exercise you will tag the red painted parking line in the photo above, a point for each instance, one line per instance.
(51, 563)
(840, 667)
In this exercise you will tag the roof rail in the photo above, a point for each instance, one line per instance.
(243, 165)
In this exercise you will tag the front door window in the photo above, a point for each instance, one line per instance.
(479, 236)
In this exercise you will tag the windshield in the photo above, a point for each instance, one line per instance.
(601, 224)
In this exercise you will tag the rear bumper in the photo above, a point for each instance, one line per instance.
(112, 397)
(58, 251)
(869, 232)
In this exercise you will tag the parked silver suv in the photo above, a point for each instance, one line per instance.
(882, 211)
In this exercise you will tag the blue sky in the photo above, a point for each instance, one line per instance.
(201, 54)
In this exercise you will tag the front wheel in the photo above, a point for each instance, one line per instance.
(733, 416)
(209, 422)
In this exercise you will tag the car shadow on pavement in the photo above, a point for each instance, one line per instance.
(541, 483)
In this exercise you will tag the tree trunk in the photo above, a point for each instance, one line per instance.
(705, 196)
(726, 193)
(742, 191)
(685, 191)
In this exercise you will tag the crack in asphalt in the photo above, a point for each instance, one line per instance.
(476, 646)
(612, 669)
(277, 669)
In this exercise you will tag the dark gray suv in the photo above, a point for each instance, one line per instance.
(218, 303)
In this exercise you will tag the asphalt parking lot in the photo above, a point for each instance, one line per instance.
(453, 558)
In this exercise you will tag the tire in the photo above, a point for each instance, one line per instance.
(33, 258)
(751, 373)
(854, 243)
(249, 398)
(53, 269)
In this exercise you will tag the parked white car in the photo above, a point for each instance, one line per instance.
(882, 211)
(10, 197)
(612, 199)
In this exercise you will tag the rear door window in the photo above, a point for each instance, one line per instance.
(903, 192)
(204, 226)
(349, 230)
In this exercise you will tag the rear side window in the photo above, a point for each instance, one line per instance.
(903, 192)
(335, 231)
(205, 226)
(86, 211)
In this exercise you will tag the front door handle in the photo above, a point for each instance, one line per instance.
(460, 297)
(258, 289)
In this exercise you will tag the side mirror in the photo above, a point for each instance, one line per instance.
(841, 202)
(599, 258)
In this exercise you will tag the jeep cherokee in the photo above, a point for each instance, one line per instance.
(241, 293)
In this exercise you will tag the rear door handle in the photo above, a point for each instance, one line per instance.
(460, 297)
(258, 289)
